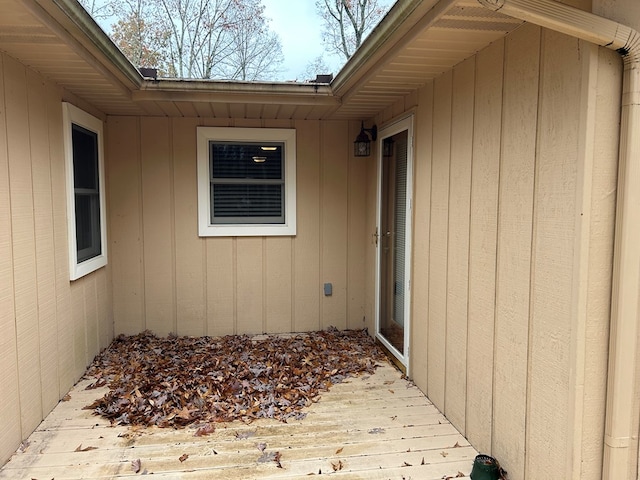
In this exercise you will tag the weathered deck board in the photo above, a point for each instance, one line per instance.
(372, 427)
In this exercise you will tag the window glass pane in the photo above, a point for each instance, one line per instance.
(87, 226)
(85, 158)
(248, 203)
(247, 160)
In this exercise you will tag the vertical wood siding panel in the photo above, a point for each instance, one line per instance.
(357, 233)
(458, 238)
(421, 222)
(249, 291)
(190, 249)
(125, 211)
(306, 244)
(482, 249)
(605, 147)
(439, 238)
(10, 433)
(277, 283)
(59, 200)
(514, 247)
(24, 260)
(44, 246)
(334, 184)
(91, 315)
(105, 314)
(554, 229)
(79, 327)
(221, 286)
(157, 208)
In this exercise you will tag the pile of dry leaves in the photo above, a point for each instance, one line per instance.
(177, 381)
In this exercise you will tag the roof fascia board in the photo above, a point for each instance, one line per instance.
(236, 92)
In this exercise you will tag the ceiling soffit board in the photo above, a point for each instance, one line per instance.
(444, 36)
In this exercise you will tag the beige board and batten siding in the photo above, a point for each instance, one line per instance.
(167, 279)
(50, 328)
(516, 158)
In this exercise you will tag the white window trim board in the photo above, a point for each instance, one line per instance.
(72, 114)
(207, 134)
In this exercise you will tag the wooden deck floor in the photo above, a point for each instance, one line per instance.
(372, 427)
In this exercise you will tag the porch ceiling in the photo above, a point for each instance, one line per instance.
(415, 42)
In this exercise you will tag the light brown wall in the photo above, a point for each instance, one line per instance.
(515, 178)
(50, 328)
(167, 279)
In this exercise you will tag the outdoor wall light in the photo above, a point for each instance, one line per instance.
(362, 145)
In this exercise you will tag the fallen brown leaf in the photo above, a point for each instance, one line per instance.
(85, 449)
(183, 457)
(177, 381)
(339, 451)
(205, 430)
(444, 454)
(337, 466)
(66, 398)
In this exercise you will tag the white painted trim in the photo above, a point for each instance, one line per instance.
(401, 124)
(72, 114)
(285, 135)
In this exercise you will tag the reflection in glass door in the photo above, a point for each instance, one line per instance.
(392, 243)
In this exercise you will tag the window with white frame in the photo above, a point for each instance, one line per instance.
(85, 191)
(246, 181)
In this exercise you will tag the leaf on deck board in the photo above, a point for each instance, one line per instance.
(85, 449)
(183, 457)
(206, 429)
(136, 465)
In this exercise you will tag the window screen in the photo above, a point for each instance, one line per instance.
(247, 182)
(87, 192)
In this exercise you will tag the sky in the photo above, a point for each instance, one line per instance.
(299, 28)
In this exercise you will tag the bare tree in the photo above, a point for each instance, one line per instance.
(255, 52)
(315, 67)
(346, 22)
(142, 42)
(197, 38)
(100, 9)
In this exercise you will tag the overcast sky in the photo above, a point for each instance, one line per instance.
(299, 26)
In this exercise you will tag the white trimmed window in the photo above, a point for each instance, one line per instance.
(246, 181)
(85, 191)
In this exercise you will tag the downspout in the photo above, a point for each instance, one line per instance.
(625, 305)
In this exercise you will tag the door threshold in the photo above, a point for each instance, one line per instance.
(399, 365)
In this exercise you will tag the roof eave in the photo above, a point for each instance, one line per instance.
(68, 19)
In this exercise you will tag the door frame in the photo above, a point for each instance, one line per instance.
(397, 126)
